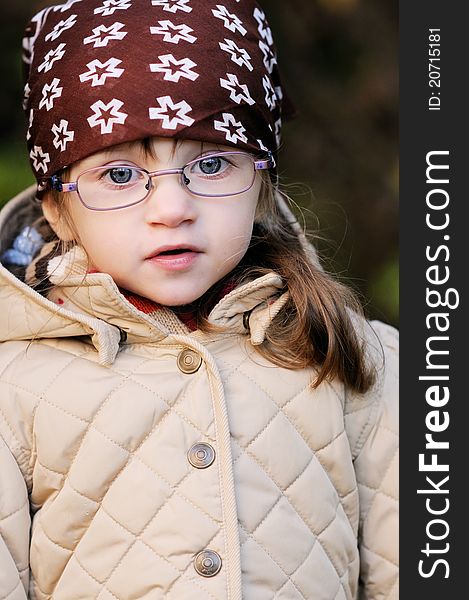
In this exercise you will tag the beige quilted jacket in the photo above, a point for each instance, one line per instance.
(139, 460)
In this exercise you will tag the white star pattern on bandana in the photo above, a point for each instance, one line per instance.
(182, 32)
(109, 7)
(238, 55)
(49, 92)
(107, 115)
(174, 69)
(270, 95)
(173, 5)
(263, 28)
(29, 44)
(232, 128)
(99, 72)
(62, 135)
(60, 28)
(278, 129)
(269, 57)
(26, 94)
(40, 158)
(172, 114)
(51, 57)
(102, 35)
(231, 21)
(64, 7)
(239, 92)
(177, 66)
(31, 119)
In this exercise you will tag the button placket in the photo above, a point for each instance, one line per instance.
(207, 563)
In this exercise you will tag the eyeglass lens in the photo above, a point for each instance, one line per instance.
(118, 186)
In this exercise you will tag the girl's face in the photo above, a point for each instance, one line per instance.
(172, 247)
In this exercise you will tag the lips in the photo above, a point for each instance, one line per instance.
(175, 258)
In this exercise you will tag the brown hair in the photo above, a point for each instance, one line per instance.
(315, 327)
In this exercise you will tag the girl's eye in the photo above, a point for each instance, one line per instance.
(212, 165)
(121, 175)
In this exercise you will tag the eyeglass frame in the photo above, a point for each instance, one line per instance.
(58, 185)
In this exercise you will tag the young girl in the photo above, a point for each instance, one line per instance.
(190, 407)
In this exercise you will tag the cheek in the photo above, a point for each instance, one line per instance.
(234, 236)
(239, 219)
(103, 237)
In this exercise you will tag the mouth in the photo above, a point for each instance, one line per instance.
(173, 251)
(175, 258)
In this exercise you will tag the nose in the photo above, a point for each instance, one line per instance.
(169, 203)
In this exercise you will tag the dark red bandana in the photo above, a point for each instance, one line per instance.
(103, 72)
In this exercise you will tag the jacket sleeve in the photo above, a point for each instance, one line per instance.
(15, 474)
(14, 528)
(373, 422)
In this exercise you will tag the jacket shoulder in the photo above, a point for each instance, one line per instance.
(27, 368)
(362, 411)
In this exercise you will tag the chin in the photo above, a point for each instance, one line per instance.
(173, 299)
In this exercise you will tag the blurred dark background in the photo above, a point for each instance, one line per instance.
(339, 158)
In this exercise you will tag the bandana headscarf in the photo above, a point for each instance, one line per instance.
(104, 72)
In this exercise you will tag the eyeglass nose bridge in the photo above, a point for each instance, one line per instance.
(162, 172)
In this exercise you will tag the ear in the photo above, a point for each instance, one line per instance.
(56, 220)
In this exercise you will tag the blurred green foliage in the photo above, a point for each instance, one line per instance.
(339, 65)
(15, 172)
(384, 288)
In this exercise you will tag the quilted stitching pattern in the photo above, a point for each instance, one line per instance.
(296, 492)
(125, 461)
(287, 410)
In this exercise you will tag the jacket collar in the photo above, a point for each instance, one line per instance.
(90, 304)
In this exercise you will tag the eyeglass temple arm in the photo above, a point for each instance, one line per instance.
(267, 163)
(57, 184)
(69, 187)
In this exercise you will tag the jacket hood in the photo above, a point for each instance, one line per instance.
(91, 304)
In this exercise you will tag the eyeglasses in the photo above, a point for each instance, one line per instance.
(117, 186)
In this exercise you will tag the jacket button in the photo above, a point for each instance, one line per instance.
(207, 563)
(189, 361)
(201, 455)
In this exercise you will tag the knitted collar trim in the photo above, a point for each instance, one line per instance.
(188, 314)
